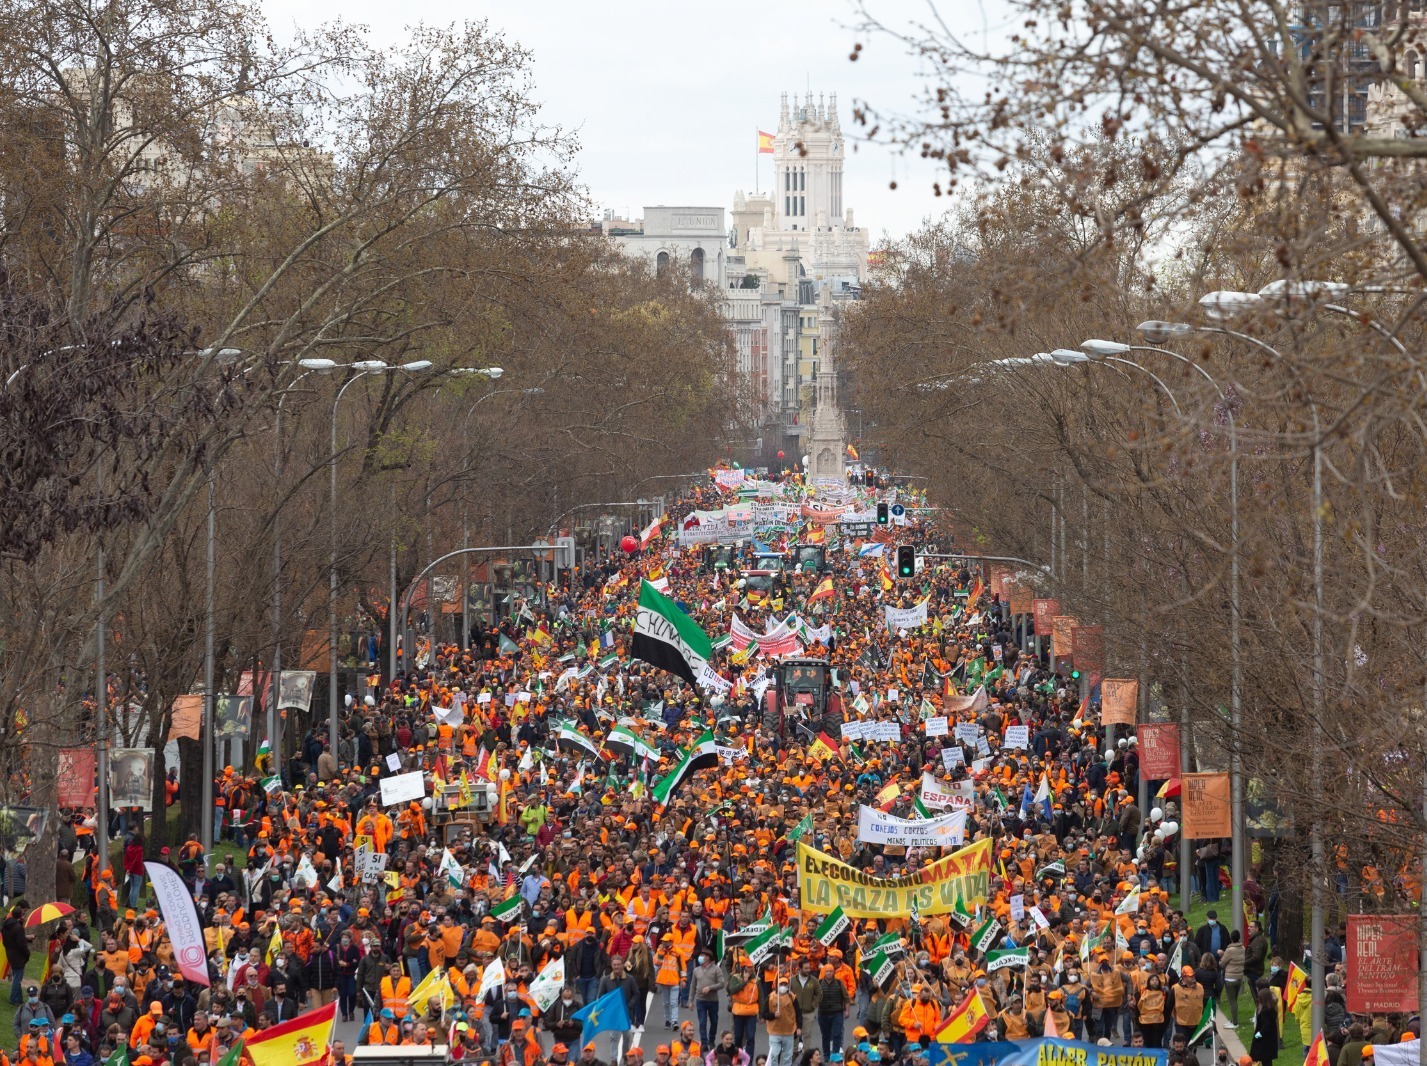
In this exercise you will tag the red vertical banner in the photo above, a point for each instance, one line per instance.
(1159, 751)
(1044, 610)
(1087, 651)
(75, 777)
(1382, 963)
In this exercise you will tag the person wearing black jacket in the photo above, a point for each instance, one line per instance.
(17, 950)
(370, 972)
(585, 964)
(320, 975)
(347, 957)
(832, 1011)
(559, 1021)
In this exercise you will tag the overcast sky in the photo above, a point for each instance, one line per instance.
(666, 96)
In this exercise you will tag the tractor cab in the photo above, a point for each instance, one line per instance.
(761, 586)
(810, 558)
(803, 687)
(717, 557)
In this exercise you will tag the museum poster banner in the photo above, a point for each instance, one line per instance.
(1382, 963)
(1159, 751)
(1206, 806)
(1119, 697)
(962, 879)
(74, 779)
(1043, 610)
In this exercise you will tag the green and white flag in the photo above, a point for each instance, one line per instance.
(626, 741)
(509, 911)
(231, 1057)
(718, 945)
(805, 826)
(1176, 961)
(1206, 1023)
(879, 966)
(1089, 944)
(121, 1055)
(451, 868)
(1051, 869)
(1131, 903)
(545, 989)
(920, 808)
(960, 915)
(984, 937)
(832, 927)
(1017, 957)
(666, 637)
(890, 944)
(764, 944)
(703, 754)
(722, 642)
(507, 646)
(609, 660)
(568, 734)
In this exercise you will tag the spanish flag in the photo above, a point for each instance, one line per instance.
(1317, 1053)
(852, 453)
(765, 143)
(823, 748)
(822, 592)
(964, 1022)
(304, 1041)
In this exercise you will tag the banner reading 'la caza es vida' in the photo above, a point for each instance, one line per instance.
(962, 879)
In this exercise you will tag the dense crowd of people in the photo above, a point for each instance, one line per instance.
(557, 849)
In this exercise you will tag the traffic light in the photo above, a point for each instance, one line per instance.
(881, 514)
(1074, 674)
(906, 560)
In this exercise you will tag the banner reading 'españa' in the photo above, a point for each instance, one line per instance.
(962, 877)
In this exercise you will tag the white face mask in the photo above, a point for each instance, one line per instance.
(782, 990)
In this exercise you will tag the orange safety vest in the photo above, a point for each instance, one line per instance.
(396, 997)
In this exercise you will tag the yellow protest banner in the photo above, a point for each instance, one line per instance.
(962, 879)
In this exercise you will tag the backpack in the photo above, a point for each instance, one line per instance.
(1072, 1004)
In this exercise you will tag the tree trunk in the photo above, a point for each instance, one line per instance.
(190, 787)
(158, 825)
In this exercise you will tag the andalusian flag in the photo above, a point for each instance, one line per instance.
(1206, 1023)
(666, 637)
(805, 826)
(305, 1040)
(703, 753)
(822, 592)
(965, 1021)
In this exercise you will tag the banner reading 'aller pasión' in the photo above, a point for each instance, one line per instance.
(963, 878)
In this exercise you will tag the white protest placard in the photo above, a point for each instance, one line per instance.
(393, 762)
(483, 697)
(852, 730)
(906, 617)
(980, 766)
(860, 705)
(936, 727)
(876, 827)
(886, 731)
(959, 795)
(967, 732)
(510, 699)
(952, 756)
(1018, 907)
(1017, 736)
(891, 695)
(370, 864)
(403, 788)
(983, 746)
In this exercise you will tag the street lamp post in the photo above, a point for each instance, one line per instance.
(1154, 331)
(363, 368)
(1066, 357)
(310, 366)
